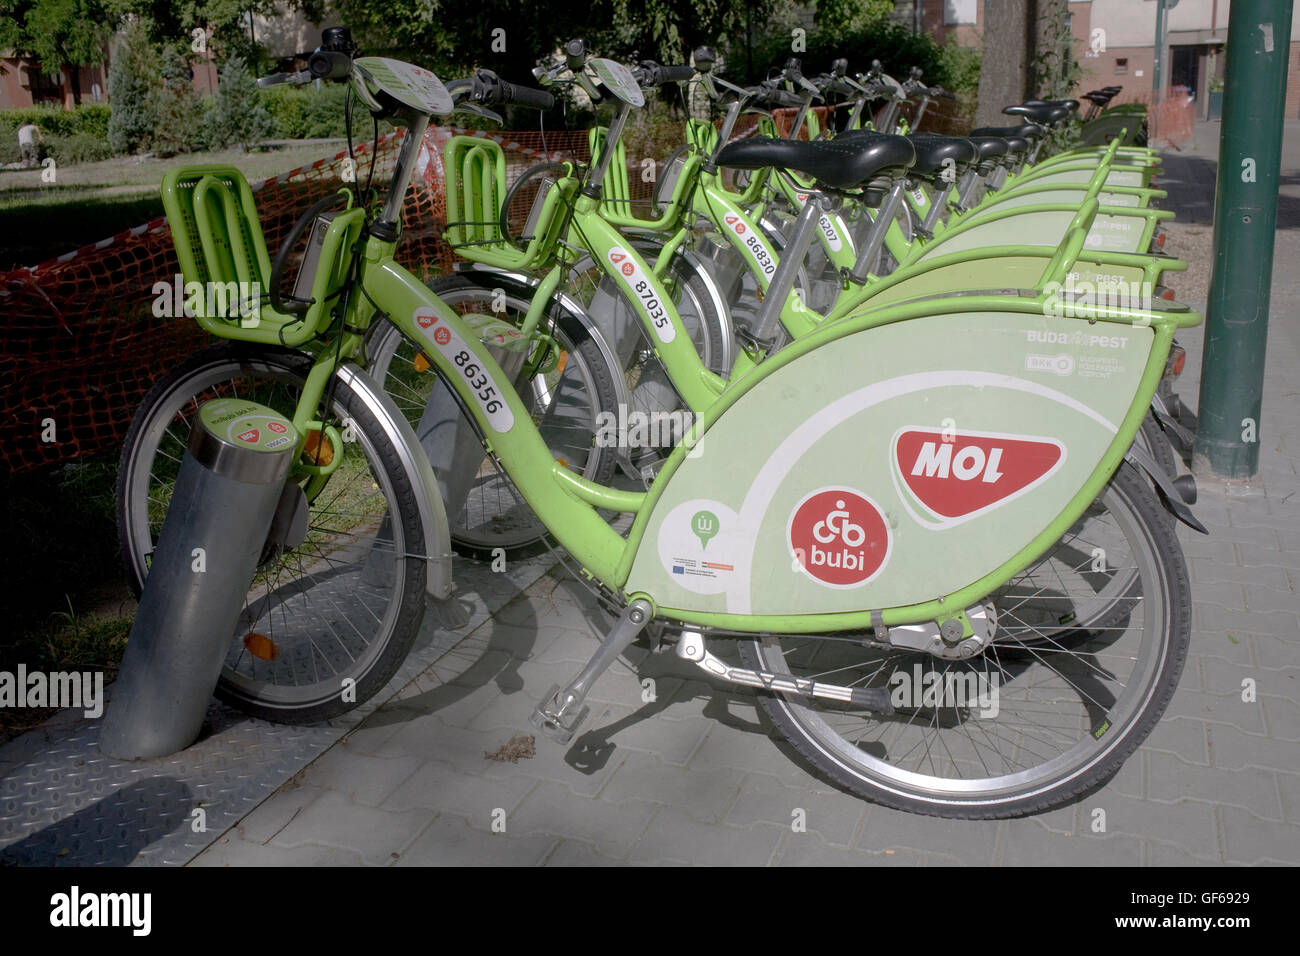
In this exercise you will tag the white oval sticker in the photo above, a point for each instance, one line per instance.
(619, 80)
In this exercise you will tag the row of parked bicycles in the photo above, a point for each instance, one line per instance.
(868, 422)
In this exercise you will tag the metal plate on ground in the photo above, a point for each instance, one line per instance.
(63, 803)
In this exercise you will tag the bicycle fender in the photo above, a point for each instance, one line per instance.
(1141, 458)
(433, 516)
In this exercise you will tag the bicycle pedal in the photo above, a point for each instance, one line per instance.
(549, 717)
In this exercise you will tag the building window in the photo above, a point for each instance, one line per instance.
(1121, 64)
(958, 12)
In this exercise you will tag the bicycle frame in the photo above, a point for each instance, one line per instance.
(567, 504)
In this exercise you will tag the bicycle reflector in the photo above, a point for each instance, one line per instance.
(1177, 359)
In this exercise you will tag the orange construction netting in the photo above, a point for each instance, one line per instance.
(81, 342)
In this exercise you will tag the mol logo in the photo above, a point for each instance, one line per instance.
(735, 223)
(839, 537)
(955, 475)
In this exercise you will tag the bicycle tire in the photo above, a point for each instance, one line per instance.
(859, 762)
(274, 689)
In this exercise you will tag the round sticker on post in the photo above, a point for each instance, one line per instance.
(619, 80)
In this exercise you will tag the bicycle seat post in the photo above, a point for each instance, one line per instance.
(792, 256)
(876, 237)
(385, 227)
(612, 136)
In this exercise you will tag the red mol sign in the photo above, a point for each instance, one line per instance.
(957, 474)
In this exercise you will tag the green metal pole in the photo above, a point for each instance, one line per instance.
(1158, 65)
(1245, 214)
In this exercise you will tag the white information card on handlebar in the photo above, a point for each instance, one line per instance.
(410, 85)
(619, 80)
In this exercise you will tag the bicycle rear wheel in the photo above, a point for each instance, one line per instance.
(1035, 719)
(327, 624)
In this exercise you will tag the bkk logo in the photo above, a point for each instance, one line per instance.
(839, 537)
(955, 475)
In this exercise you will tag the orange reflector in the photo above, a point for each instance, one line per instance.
(1180, 359)
(562, 361)
(1167, 294)
(421, 363)
(1160, 240)
(261, 646)
(317, 450)
(563, 461)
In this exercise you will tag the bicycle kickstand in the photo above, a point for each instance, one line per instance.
(561, 711)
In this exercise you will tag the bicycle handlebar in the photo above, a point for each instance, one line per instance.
(329, 65)
(656, 74)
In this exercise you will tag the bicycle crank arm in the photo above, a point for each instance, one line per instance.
(691, 648)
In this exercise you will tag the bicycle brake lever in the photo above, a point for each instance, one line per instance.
(300, 78)
(482, 111)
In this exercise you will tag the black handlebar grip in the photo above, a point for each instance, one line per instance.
(674, 74)
(329, 65)
(526, 96)
(777, 98)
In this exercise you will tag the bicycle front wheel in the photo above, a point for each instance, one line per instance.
(326, 624)
(1036, 719)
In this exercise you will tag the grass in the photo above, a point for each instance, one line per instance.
(69, 605)
(39, 221)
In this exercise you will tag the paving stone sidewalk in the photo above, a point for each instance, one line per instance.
(693, 776)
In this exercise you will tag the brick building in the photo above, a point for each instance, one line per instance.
(1114, 41)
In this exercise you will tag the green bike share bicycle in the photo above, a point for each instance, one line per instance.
(878, 519)
(660, 381)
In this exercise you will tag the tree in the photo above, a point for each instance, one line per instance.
(60, 34)
(1028, 53)
(1009, 40)
(846, 15)
(178, 108)
(237, 114)
(132, 79)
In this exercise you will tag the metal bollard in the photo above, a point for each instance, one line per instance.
(230, 488)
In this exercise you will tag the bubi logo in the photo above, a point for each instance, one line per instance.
(735, 223)
(442, 336)
(276, 427)
(956, 475)
(839, 537)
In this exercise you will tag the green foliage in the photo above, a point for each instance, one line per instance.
(57, 33)
(77, 148)
(894, 45)
(850, 15)
(178, 108)
(308, 113)
(237, 115)
(132, 78)
(89, 118)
